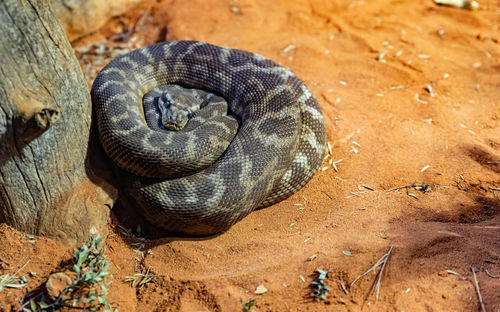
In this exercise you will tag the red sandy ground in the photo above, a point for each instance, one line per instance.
(366, 63)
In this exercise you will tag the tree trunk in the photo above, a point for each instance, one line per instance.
(45, 117)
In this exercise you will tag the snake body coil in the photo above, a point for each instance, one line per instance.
(205, 178)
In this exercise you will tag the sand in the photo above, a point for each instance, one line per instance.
(411, 97)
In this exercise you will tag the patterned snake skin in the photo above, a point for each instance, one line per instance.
(203, 179)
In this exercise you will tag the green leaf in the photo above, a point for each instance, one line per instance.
(32, 305)
(82, 256)
(104, 290)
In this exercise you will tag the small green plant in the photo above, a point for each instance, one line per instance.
(318, 287)
(247, 305)
(87, 292)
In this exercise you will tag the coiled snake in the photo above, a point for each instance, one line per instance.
(266, 145)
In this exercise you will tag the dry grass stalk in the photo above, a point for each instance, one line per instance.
(13, 281)
(138, 280)
(483, 308)
(382, 261)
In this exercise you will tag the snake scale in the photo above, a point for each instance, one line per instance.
(267, 144)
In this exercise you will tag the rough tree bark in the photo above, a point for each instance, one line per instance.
(45, 115)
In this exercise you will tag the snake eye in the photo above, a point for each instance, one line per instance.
(168, 103)
(190, 114)
(164, 96)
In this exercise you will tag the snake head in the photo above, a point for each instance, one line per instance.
(174, 113)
